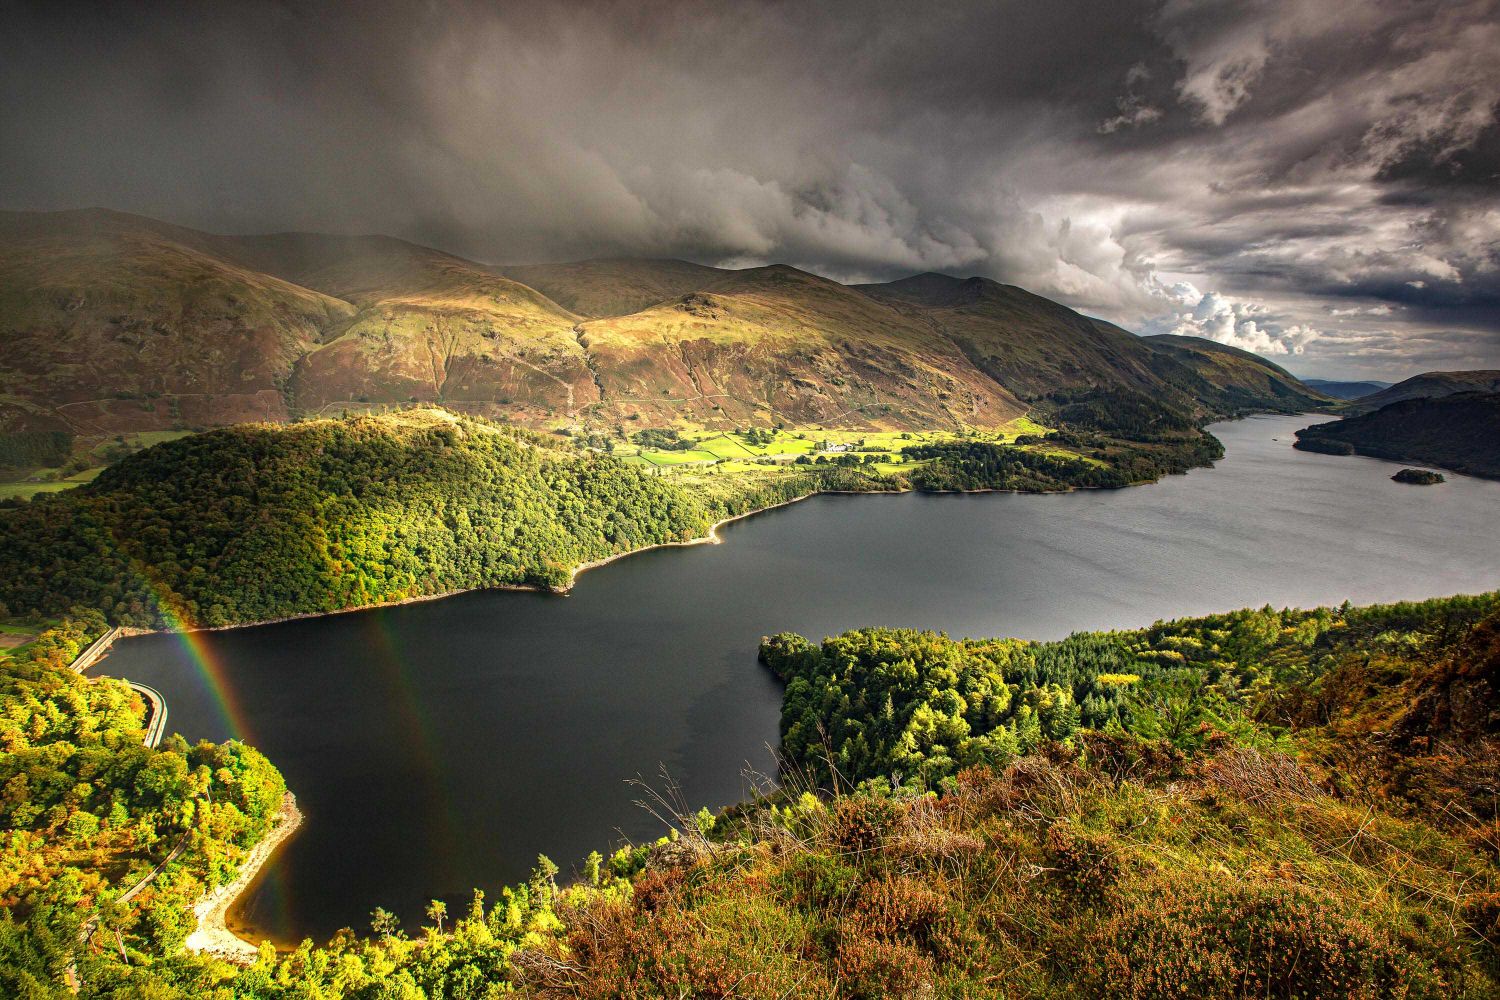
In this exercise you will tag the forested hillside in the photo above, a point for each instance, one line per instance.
(1262, 803)
(260, 522)
(1459, 431)
(88, 812)
(918, 706)
(266, 521)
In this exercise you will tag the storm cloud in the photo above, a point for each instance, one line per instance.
(1316, 180)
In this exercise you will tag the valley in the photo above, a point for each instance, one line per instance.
(426, 426)
(761, 501)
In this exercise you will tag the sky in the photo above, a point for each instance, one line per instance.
(1314, 180)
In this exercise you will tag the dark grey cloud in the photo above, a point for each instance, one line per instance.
(1300, 177)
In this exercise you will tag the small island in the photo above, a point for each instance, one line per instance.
(1419, 477)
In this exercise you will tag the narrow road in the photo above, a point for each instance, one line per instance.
(95, 649)
(157, 727)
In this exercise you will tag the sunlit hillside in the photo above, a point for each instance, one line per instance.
(121, 323)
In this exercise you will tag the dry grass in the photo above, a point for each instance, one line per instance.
(1049, 877)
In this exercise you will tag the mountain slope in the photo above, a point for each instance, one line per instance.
(1038, 349)
(107, 323)
(1460, 432)
(1236, 379)
(778, 344)
(114, 323)
(1028, 344)
(430, 327)
(1429, 385)
(427, 327)
(596, 288)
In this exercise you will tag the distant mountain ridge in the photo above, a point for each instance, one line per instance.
(1344, 389)
(1430, 385)
(112, 322)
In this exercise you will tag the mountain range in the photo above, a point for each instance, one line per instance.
(1339, 389)
(112, 322)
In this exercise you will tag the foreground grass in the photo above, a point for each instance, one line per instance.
(1228, 876)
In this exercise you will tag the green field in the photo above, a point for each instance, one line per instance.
(758, 450)
(28, 488)
(17, 634)
(90, 456)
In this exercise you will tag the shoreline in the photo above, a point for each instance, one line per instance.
(213, 936)
(711, 538)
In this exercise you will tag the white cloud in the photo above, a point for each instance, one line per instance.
(1217, 317)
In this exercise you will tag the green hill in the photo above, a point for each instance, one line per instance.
(1460, 432)
(1236, 380)
(264, 521)
(260, 521)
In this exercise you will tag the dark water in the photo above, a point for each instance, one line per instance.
(441, 746)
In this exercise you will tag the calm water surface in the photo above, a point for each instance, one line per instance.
(441, 746)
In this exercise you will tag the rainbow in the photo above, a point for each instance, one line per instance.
(210, 672)
(205, 660)
(414, 727)
(388, 668)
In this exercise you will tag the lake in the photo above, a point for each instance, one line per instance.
(441, 746)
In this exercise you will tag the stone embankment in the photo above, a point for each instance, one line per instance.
(213, 936)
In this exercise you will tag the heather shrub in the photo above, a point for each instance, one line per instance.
(861, 822)
(1222, 938)
(816, 881)
(1084, 864)
(870, 968)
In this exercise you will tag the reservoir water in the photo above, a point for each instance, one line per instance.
(441, 746)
